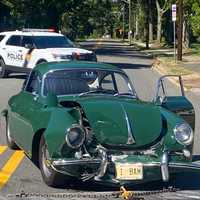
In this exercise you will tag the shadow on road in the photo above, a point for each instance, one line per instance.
(131, 65)
(17, 76)
(116, 48)
(121, 52)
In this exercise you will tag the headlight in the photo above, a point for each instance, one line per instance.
(62, 56)
(75, 137)
(94, 57)
(183, 134)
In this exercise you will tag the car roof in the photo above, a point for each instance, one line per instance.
(35, 33)
(47, 67)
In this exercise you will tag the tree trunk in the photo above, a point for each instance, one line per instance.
(159, 21)
(150, 22)
(186, 34)
(136, 27)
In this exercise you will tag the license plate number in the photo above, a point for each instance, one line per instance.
(129, 171)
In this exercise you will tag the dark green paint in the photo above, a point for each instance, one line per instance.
(28, 113)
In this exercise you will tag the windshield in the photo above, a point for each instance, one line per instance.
(87, 82)
(43, 42)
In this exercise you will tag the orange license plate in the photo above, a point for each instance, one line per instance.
(129, 171)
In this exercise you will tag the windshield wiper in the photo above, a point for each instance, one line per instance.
(93, 91)
(125, 94)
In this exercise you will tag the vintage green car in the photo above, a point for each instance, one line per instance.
(84, 120)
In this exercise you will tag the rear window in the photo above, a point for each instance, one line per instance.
(1, 37)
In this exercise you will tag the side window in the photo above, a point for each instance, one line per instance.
(107, 83)
(122, 86)
(1, 37)
(14, 40)
(33, 85)
(27, 41)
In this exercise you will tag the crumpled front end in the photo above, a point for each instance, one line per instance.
(157, 152)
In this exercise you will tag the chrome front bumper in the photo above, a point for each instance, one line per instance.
(164, 165)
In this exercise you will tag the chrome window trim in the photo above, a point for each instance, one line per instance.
(129, 83)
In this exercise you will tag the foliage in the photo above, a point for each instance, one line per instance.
(86, 18)
(195, 18)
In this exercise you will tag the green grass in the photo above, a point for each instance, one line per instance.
(195, 48)
(173, 68)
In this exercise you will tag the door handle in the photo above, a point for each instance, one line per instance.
(19, 50)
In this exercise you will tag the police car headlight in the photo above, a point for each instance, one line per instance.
(183, 134)
(75, 137)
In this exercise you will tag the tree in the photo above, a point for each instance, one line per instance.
(195, 18)
(162, 7)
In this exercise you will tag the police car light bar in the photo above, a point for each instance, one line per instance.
(37, 30)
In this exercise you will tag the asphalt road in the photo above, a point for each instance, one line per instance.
(26, 177)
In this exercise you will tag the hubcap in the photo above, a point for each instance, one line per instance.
(45, 161)
(1, 69)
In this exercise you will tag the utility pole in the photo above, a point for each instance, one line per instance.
(180, 30)
(147, 6)
(123, 22)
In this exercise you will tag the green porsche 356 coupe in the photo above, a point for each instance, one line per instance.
(84, 120)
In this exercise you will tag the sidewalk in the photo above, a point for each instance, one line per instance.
(164, 63)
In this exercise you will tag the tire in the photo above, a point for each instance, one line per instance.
(3, 72)
(41, 62)
(10, 142)
(50, 177)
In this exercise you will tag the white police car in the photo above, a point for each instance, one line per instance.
(20, 51)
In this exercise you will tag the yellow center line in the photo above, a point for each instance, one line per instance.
(2, 149)
(9, 168)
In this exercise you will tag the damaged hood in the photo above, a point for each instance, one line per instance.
(120, 121)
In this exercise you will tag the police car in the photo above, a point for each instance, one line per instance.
(20, 51)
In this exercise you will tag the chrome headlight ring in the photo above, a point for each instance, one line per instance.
(75, 136)
(183, 134)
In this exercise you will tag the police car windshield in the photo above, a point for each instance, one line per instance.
(43, 42)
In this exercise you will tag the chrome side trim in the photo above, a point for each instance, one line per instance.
(63, 162)
(164, 167)
(189, 166)
(130, 139)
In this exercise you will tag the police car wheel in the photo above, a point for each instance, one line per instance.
(3, 72)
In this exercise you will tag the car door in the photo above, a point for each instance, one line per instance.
(15, 51)
(175, 101)
(26, 112)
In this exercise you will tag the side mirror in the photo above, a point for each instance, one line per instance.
(51, 100)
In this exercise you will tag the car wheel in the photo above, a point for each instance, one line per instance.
(50, 176)
(41, 62)
(11, 143)
(3, 72)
